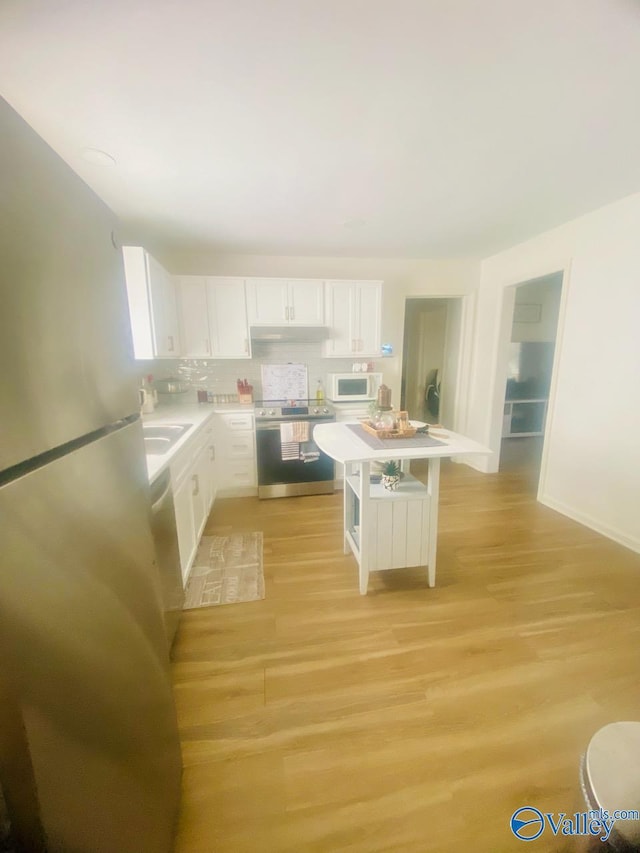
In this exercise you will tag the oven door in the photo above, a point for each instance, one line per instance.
(312, 473)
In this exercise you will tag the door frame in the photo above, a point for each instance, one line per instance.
(499, 387)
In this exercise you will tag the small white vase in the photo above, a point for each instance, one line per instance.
(391, 481)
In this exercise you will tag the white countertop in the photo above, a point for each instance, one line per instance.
(342, 444)
(196, 414)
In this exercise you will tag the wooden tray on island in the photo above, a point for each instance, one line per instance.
(407, 431)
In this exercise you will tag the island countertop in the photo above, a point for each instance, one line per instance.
(342, 444)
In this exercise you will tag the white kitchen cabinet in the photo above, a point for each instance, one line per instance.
(195, 339)
(211, 481)
(354, 316)
(152, 305)
(228, 325)
(236, 454)
(193, 478)
(187, 541)
(285, 302)
(200, 491)
(213, 317)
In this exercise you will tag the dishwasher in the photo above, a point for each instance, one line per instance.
(165, 537)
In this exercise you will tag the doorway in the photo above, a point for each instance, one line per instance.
(531, 349)
(430, 357)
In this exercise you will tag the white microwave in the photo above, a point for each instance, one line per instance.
(351, 387)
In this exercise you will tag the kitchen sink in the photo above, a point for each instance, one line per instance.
(159, 439)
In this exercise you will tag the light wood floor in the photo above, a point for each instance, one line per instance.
(412, 719)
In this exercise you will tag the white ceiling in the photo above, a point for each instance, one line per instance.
(411, 128)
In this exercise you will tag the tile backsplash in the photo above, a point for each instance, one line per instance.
(219, 375)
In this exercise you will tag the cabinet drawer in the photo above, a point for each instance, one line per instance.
(237, 420)
(237, 445)
(238, 474)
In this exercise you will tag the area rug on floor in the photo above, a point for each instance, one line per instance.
(226, 570)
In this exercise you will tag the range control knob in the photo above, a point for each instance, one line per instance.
(261, 413)
(325, 411)
(316, 410)
(272, 411)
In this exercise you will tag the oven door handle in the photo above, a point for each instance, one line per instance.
(272, 426)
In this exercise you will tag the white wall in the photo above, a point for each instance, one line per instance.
(401, 276)
(591, 466)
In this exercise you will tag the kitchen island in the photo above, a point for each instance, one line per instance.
(390, 529)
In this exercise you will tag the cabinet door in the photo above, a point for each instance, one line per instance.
(212, 471)
(305, 300)
(191, 292)
(228, 318)
(208, 468)
(368, 311)
(187, 541)
(164, 313)
(199, 491)
(340, 307)
(267, 303)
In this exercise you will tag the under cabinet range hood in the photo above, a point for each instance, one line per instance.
(289, 334)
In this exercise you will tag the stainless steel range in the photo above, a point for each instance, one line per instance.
(289, 461)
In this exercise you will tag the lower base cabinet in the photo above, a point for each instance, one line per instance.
(187, 542)
(193, 476)
(236, 450)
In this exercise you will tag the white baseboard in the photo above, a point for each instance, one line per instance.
(592, 523)
(478, 463)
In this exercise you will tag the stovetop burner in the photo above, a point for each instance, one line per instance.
(294, 410)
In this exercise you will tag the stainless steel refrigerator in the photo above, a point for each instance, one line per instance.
(89, 749)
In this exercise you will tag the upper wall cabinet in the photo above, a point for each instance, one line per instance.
(354, 313)
(195, 339)
(285, 302)
(228, 324)
(152, 305)
(213, 317)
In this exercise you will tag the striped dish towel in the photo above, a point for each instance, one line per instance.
(294, 431)
(289, 450)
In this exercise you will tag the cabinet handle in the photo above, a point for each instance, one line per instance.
(212, 448)
(291, 313)
(246, 345)
(170, 339)
(196, 485)
(353, 345)
(360, 347)
(286, 313)
(206, 346)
